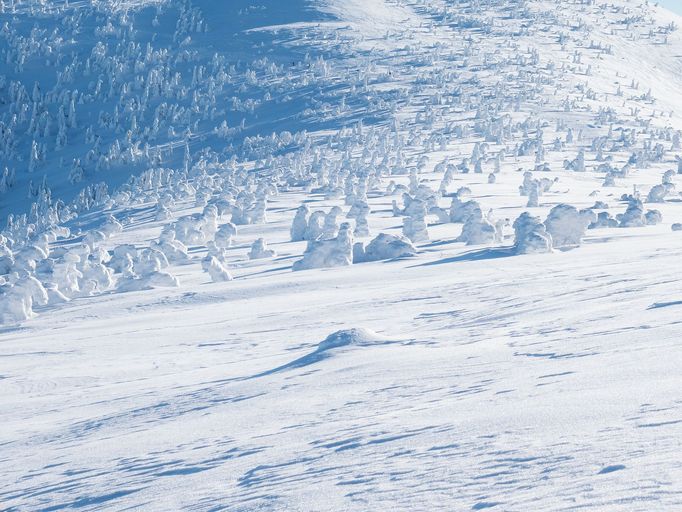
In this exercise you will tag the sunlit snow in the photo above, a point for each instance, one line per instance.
(340, 255)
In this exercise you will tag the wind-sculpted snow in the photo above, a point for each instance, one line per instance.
(481, 198)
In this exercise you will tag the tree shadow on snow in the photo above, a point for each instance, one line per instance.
(659, 305)
(477, 255)
(325, 351)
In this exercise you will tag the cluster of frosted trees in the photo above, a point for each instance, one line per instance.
(153, 109)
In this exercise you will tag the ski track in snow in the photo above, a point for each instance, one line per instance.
(499, 381)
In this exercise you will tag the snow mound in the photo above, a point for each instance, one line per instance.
(343, 339)
(385, 247)
(355, 337)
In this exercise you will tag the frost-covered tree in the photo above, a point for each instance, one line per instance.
(530, 235)
(335, 252)
(215, 269)
(259, 250)
(566, 225)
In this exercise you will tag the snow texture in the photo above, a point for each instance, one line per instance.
(483, 195)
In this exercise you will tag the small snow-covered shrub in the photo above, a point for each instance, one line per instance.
(94, 238)
(54, 295)
(535, 187)
(533, 196)
(224, 235)
(633, 216)
(174, 250)
(215, 269)
(148, 282)
(149, 261)
(653, 217)
(259, 250)
(441, 214)
(122, 257)
(658, 193)
(196, 229)
(95, 272)
(250, 212)
(528, 183)
(28, 257)
(66, 274)
(609, 180)
(604, 220)
(111, 227)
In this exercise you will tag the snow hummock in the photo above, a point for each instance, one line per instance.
(355, 337)
(384, 247)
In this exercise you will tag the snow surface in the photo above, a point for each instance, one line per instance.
(147, 362)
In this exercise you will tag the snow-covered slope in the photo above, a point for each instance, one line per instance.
(340, 255)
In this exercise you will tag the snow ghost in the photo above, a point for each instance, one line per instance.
(336, 252)
(530, 235)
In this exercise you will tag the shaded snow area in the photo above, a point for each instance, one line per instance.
(340, 255)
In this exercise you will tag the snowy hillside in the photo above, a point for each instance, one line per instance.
(326, 255)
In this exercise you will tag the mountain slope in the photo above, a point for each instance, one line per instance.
(496, 327)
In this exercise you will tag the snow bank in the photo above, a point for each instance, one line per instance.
(148, 282)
